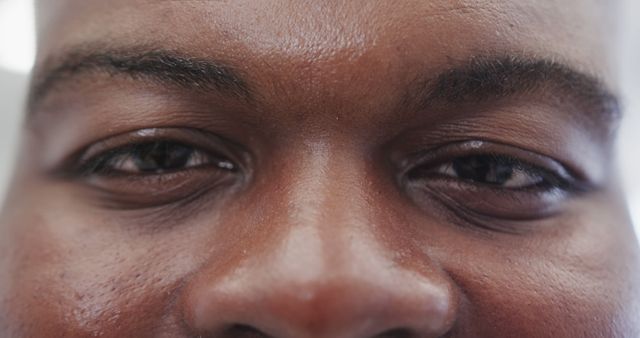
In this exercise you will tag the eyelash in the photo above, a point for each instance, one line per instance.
(549, 179)
(535, 186)
(104, 163)
(420, 167)
(100, 163)
(152, 168)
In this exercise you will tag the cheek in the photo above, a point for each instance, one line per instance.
(72, 270)
(577, 280)
(77, 283)
(512, 300)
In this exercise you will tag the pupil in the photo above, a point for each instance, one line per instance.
(483, 169)
(161, 156)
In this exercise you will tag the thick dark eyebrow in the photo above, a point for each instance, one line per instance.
(481, 79)
(164, 66)
(484, 79)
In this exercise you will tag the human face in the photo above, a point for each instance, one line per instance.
(319, 169)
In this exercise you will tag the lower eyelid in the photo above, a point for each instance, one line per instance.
(490, 202)
(140, 191)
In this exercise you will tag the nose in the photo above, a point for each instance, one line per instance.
(299, 291)
(324, 269)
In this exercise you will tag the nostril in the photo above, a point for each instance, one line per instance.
(395, 333)
(245, 331)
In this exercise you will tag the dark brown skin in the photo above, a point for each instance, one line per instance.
(331, 174)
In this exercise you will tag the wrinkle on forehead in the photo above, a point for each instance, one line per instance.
(318, 35)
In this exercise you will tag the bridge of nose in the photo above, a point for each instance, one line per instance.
(325, 270)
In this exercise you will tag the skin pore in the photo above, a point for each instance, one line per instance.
(319, 169)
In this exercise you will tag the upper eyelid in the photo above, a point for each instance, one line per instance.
(531, 161)
(517, 163)
(449, 151)
(203, 140)
(569, 184)
(90, 165)
(196, 151)
(186, 135)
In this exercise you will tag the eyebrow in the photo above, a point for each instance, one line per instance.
(480, 79)
(164, 66)
(491, 78)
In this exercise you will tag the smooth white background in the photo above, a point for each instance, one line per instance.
(17, 49)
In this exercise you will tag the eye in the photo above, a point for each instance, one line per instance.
(485, 180)
(499, 171)
(154, 167)
(157, 158)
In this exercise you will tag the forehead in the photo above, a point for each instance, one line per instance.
(312, 32)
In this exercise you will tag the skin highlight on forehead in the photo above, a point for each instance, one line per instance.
(324, 34)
